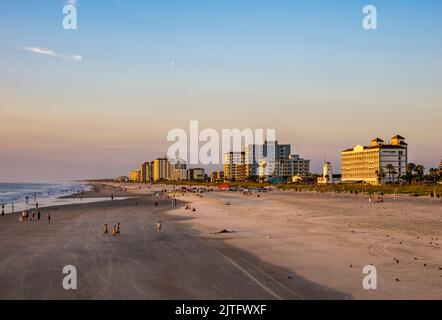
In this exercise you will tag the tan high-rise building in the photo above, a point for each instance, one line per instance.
(162, 170)
(146, 172)
(135, 175)
(234, 166)
(376, 163)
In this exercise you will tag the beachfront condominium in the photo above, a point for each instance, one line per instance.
(162, 170)
(217, 176)
(298, 166)
(283, 170)
(377, 163)
(254, 153)
(180, 175)
(179, 170)
(196, 174)
(146, 172)
(234, 166)
(135, 175)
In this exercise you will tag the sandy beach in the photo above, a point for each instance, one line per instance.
(283, 245)
(141, 264)
(328, 238)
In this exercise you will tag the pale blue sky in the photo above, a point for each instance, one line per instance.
(305, 68)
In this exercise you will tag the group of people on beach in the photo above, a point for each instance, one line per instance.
(35, 215)
(115, 230)
(26, 215)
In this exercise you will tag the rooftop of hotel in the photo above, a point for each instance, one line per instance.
(396, 142)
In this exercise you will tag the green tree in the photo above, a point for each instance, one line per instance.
(434, 175)
(390, 169)
(380, 174)
(419, 172)
(408, 177)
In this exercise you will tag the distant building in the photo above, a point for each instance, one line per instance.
(254, 153)
(376, 163)
(217, 177)
(179, 164)
(440, 165)
(234, 166)
(283, 170)
(121, 179)
(146, 172)
(179, 170)
(180, 175)
(196, 174)
(298, 166)
(162, 170)
(135, 175)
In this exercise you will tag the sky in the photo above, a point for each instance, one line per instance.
(97, 101)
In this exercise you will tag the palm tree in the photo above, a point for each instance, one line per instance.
(409, 172)
(419, 169)
(410, 167)
(390, 169)
(380, 174)
(434, 174)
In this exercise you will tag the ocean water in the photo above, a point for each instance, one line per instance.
(36, 192)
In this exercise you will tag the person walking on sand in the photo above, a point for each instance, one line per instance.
(33, 215)
(118, 229)
(106, 231)
(156, 203)
(114, 231)
(49, 218)
(3, 210)
(38, 215)
(12, 205)
(158, 226)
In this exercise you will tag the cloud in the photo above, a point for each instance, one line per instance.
(40, 51)
(52, 53)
